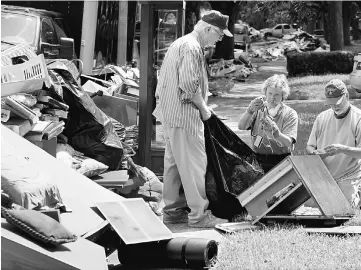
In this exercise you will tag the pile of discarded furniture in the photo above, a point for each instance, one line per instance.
(69, 183)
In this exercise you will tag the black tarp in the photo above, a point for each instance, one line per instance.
(232, 168)
(88, 129)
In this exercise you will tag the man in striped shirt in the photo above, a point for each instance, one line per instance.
(182, 92)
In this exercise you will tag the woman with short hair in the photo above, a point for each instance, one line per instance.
(273, 124)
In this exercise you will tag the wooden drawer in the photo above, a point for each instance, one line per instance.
(290, 184)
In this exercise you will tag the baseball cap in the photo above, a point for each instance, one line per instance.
(334, 91)
(215, 18)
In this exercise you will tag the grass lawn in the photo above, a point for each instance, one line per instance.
(290, 247)
(312, 87)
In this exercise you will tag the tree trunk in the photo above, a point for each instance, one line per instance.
(225, 48)
(356, 32)
(326, 31)
(335, 11)
(346, 21)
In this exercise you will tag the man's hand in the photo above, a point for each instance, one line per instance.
(320, 153)
(255, 105)
(334, 149)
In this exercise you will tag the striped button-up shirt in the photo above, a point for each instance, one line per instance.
(182, 75)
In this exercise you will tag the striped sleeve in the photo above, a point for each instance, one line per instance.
(189, 70)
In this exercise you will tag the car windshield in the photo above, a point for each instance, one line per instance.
(17, 28)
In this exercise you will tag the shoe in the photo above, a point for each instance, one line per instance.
(209, 221)
(175, 219)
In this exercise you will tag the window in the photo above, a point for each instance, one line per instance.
(286, 26)
(48, 34)
(59, 22)
(16, 28)
(358, 66)
(60, 32)
(106, 37)
(278, 27)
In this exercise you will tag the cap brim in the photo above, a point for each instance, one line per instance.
(332, 101)
(227, 33)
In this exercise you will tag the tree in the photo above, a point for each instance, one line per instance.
(335, 23)
(346, 21)
(355, 18)
(225, 48)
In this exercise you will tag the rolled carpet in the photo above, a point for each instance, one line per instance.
(177, 252)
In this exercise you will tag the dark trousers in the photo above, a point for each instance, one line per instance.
(270, 161)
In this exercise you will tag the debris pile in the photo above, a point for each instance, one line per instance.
(298, 41)
(223, 73)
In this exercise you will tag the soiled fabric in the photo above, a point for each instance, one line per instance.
(24, 183)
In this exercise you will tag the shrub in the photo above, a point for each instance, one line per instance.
(319, 63)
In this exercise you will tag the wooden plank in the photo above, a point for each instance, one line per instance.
(18, 252)
(266, 181)
(342, 230)
(321, 185)
(206, 234)
(134, 222)
(76, 190)
(147, 84)
(307, 220)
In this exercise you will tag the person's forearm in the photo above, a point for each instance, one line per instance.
(284, 139)
(244, 120)
(199, 102)
(354, 152)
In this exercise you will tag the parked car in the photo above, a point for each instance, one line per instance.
(241, 35)
(355, 76)
(45, 31)
(279, 30)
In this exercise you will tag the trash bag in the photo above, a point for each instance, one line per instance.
(232, 168)
(88, 129)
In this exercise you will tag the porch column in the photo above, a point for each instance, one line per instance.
(122, 33)
(90, 16)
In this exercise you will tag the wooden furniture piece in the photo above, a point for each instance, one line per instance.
(154, 43)
(134, 222)
(306, 220)
(342, 230)
(77, 191)
(20, 252)
(292, 182)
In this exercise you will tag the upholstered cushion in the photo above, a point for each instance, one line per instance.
(38, 226)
